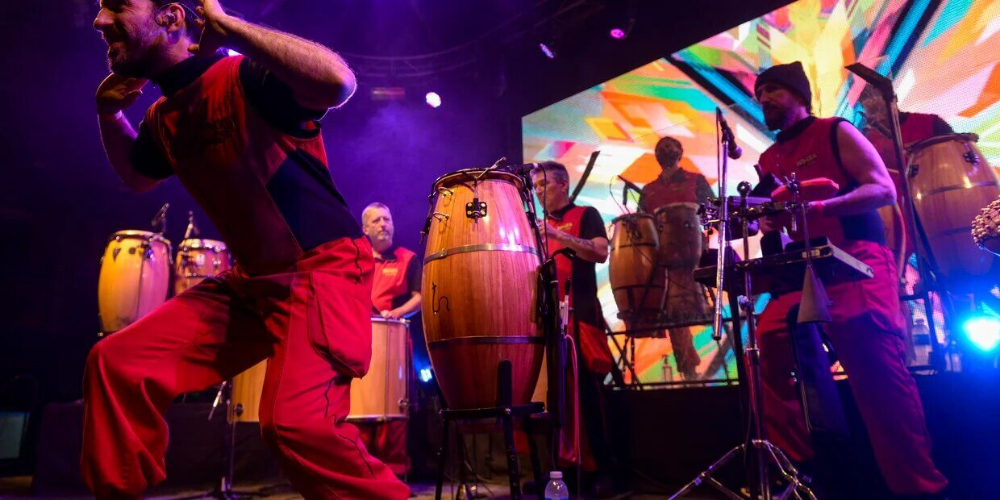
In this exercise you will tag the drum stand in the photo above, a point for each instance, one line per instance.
(759, 453)
(224, 488)
(506, 412)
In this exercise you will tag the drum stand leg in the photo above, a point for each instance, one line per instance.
(224, 488)
(504, 411)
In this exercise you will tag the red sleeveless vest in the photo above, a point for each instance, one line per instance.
(390, 279)
(810, 155)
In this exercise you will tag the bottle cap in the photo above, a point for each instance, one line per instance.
(555, 474)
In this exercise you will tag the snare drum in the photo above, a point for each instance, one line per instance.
(382, 394)
(135, 274)
(198, 259)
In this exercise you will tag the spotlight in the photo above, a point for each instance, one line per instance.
(983, 332)
(547, 51)
(433, 99)
(617, 33)
(426, 375)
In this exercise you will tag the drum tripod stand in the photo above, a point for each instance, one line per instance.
(759, 452)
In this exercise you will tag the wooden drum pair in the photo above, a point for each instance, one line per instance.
(135, 273)
(652, 264)
(480, 288)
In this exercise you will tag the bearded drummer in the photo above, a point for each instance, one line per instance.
(581, 229)
(676, 185)
(242, 134)
(395, 295)
(867, 327)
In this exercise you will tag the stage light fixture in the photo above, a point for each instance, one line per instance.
(433, 99)
(617, 33)
(551, 54)
(426, 375)
(983, 332)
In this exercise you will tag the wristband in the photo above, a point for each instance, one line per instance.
(117, 115)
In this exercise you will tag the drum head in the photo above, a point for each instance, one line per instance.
(471, 175)
(926, 143)
(632, 217)
(138, 235)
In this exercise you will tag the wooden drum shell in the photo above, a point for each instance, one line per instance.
(480, 290)
(135, 274)
(948, 192)
(637, 282)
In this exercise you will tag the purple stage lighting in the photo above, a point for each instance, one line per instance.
(617, 33)
(547, 51)
(433, 99)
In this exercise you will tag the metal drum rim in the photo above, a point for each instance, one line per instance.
(643, 215)
(498, 175)
(380, 319)
(480, 247)
(938, 139)
(138, 234)
(215, 245)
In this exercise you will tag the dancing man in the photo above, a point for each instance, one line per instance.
(241, 134)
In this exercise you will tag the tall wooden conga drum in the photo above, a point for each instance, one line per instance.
(135, 275)
(681, 245)
(479, 288)
(636, 279)
(950, 181)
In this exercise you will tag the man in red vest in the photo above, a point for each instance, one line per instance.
(582, 230)
(867, 326)
(395, 295)
(676, 185)
(242, 135)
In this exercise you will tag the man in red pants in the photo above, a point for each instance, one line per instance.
(395, 295)
(241, 135)
(867, 328)
(676, 186)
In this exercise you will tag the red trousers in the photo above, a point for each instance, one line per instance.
(387, 442)
(312, 321)
(867, 334)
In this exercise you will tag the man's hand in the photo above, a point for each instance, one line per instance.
(387, 314)
(118, 92)
(550, 231)
(212, 22)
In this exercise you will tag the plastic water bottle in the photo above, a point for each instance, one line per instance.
(556, 489)
(921, 342)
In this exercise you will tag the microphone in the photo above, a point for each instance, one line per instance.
(161, 218)
(733, 151)
(520, 168)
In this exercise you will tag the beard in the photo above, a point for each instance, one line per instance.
(133, 54)
(775, 118)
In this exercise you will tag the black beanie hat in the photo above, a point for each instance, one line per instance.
(791, 76)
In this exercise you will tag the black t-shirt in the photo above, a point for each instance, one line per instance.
(586, 307)
(302, 188)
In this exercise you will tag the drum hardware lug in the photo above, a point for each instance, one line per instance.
(441, 216)
(969, 156)
(238, 409)
(445, 191)
(913, 171)
(475, 209)
(404, 404)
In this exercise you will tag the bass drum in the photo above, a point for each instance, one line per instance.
(381, 394)
(950, 181)
(479, 288)
(637, 281)
(135, 274)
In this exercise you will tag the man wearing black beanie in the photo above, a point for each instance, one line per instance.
(867, 326)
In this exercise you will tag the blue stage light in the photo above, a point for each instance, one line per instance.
(983, 332)
(426, 375)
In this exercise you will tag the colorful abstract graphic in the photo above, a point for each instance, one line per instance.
(944, 58)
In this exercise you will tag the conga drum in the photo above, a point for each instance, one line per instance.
(198, 259)
(637, 281)
(381, 394)
(950, 181)
(681, 245)
(479, 288)
(135, 274)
